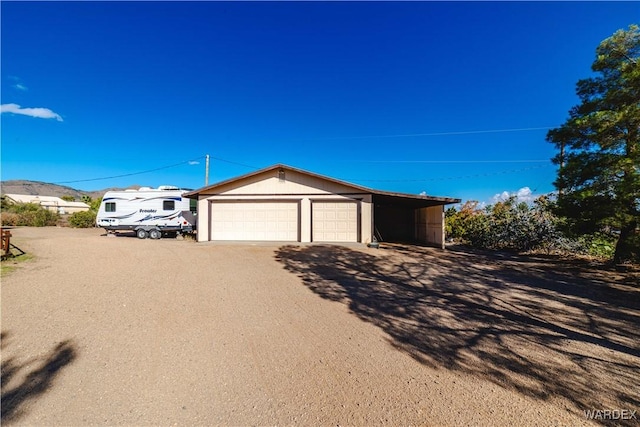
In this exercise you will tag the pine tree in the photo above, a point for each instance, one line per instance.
(599, 149)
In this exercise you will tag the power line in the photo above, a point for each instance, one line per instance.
(191, 161)
(131, 174)
(430, 161)
(453, 161)
(469, 132)
(449, 178)
(235, 163)
(362, 161)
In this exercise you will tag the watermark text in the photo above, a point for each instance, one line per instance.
(610, 414)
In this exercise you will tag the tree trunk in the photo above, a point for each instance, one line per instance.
(627, 247)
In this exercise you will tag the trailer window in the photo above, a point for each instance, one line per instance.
(168, 205)
(110, 207)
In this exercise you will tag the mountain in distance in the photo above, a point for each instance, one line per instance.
(37, 188)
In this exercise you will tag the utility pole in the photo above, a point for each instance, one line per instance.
(206, 171)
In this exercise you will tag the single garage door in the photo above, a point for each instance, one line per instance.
(239, 220)
(335, 221)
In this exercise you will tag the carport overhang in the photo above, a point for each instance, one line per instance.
(410, 201)
(399, 217)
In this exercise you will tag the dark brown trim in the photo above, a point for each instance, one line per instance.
(307, 195)
(255, 200)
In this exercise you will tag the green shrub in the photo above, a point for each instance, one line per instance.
(86, 219)
(597, 245)
(43, 218)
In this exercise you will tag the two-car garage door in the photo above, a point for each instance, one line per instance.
(331, 221)
(239, 220)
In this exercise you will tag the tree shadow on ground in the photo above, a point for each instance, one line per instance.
(16, 394)
(545, 328)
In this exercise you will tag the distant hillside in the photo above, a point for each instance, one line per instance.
(37, 188)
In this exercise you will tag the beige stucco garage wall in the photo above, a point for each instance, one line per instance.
(430, 223)
(286, 185)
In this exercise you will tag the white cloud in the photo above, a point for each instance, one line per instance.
(193, 162)
(522, 195)
(500, 197)
(41, 113)
(21, 87)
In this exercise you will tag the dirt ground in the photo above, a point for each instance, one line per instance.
(103, 330)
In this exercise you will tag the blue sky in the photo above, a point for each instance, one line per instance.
(448, 98)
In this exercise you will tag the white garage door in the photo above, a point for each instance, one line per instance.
(335, 221)
(277, 221)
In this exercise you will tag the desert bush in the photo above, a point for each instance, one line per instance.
(522, 227)
(10, 219)
(458, 222)
(507, 225)
(86, 219)
(28, 214)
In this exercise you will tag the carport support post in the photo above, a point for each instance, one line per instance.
(438, 225)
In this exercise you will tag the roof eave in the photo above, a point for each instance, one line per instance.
(431, 200)
(443, 200)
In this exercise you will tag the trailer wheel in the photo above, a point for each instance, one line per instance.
(155, 234)
(142, 234)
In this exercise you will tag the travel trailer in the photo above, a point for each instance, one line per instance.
(149, 212)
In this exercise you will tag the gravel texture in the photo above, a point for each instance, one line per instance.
(103, 330)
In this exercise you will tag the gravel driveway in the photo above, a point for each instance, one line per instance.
(122, 331)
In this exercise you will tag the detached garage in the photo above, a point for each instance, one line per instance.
(281, 203)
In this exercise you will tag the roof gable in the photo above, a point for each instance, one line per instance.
(261, 182)
(293, 180)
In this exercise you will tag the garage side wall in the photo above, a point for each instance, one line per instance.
(431, 225)
(203, 219)
(366, 219)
